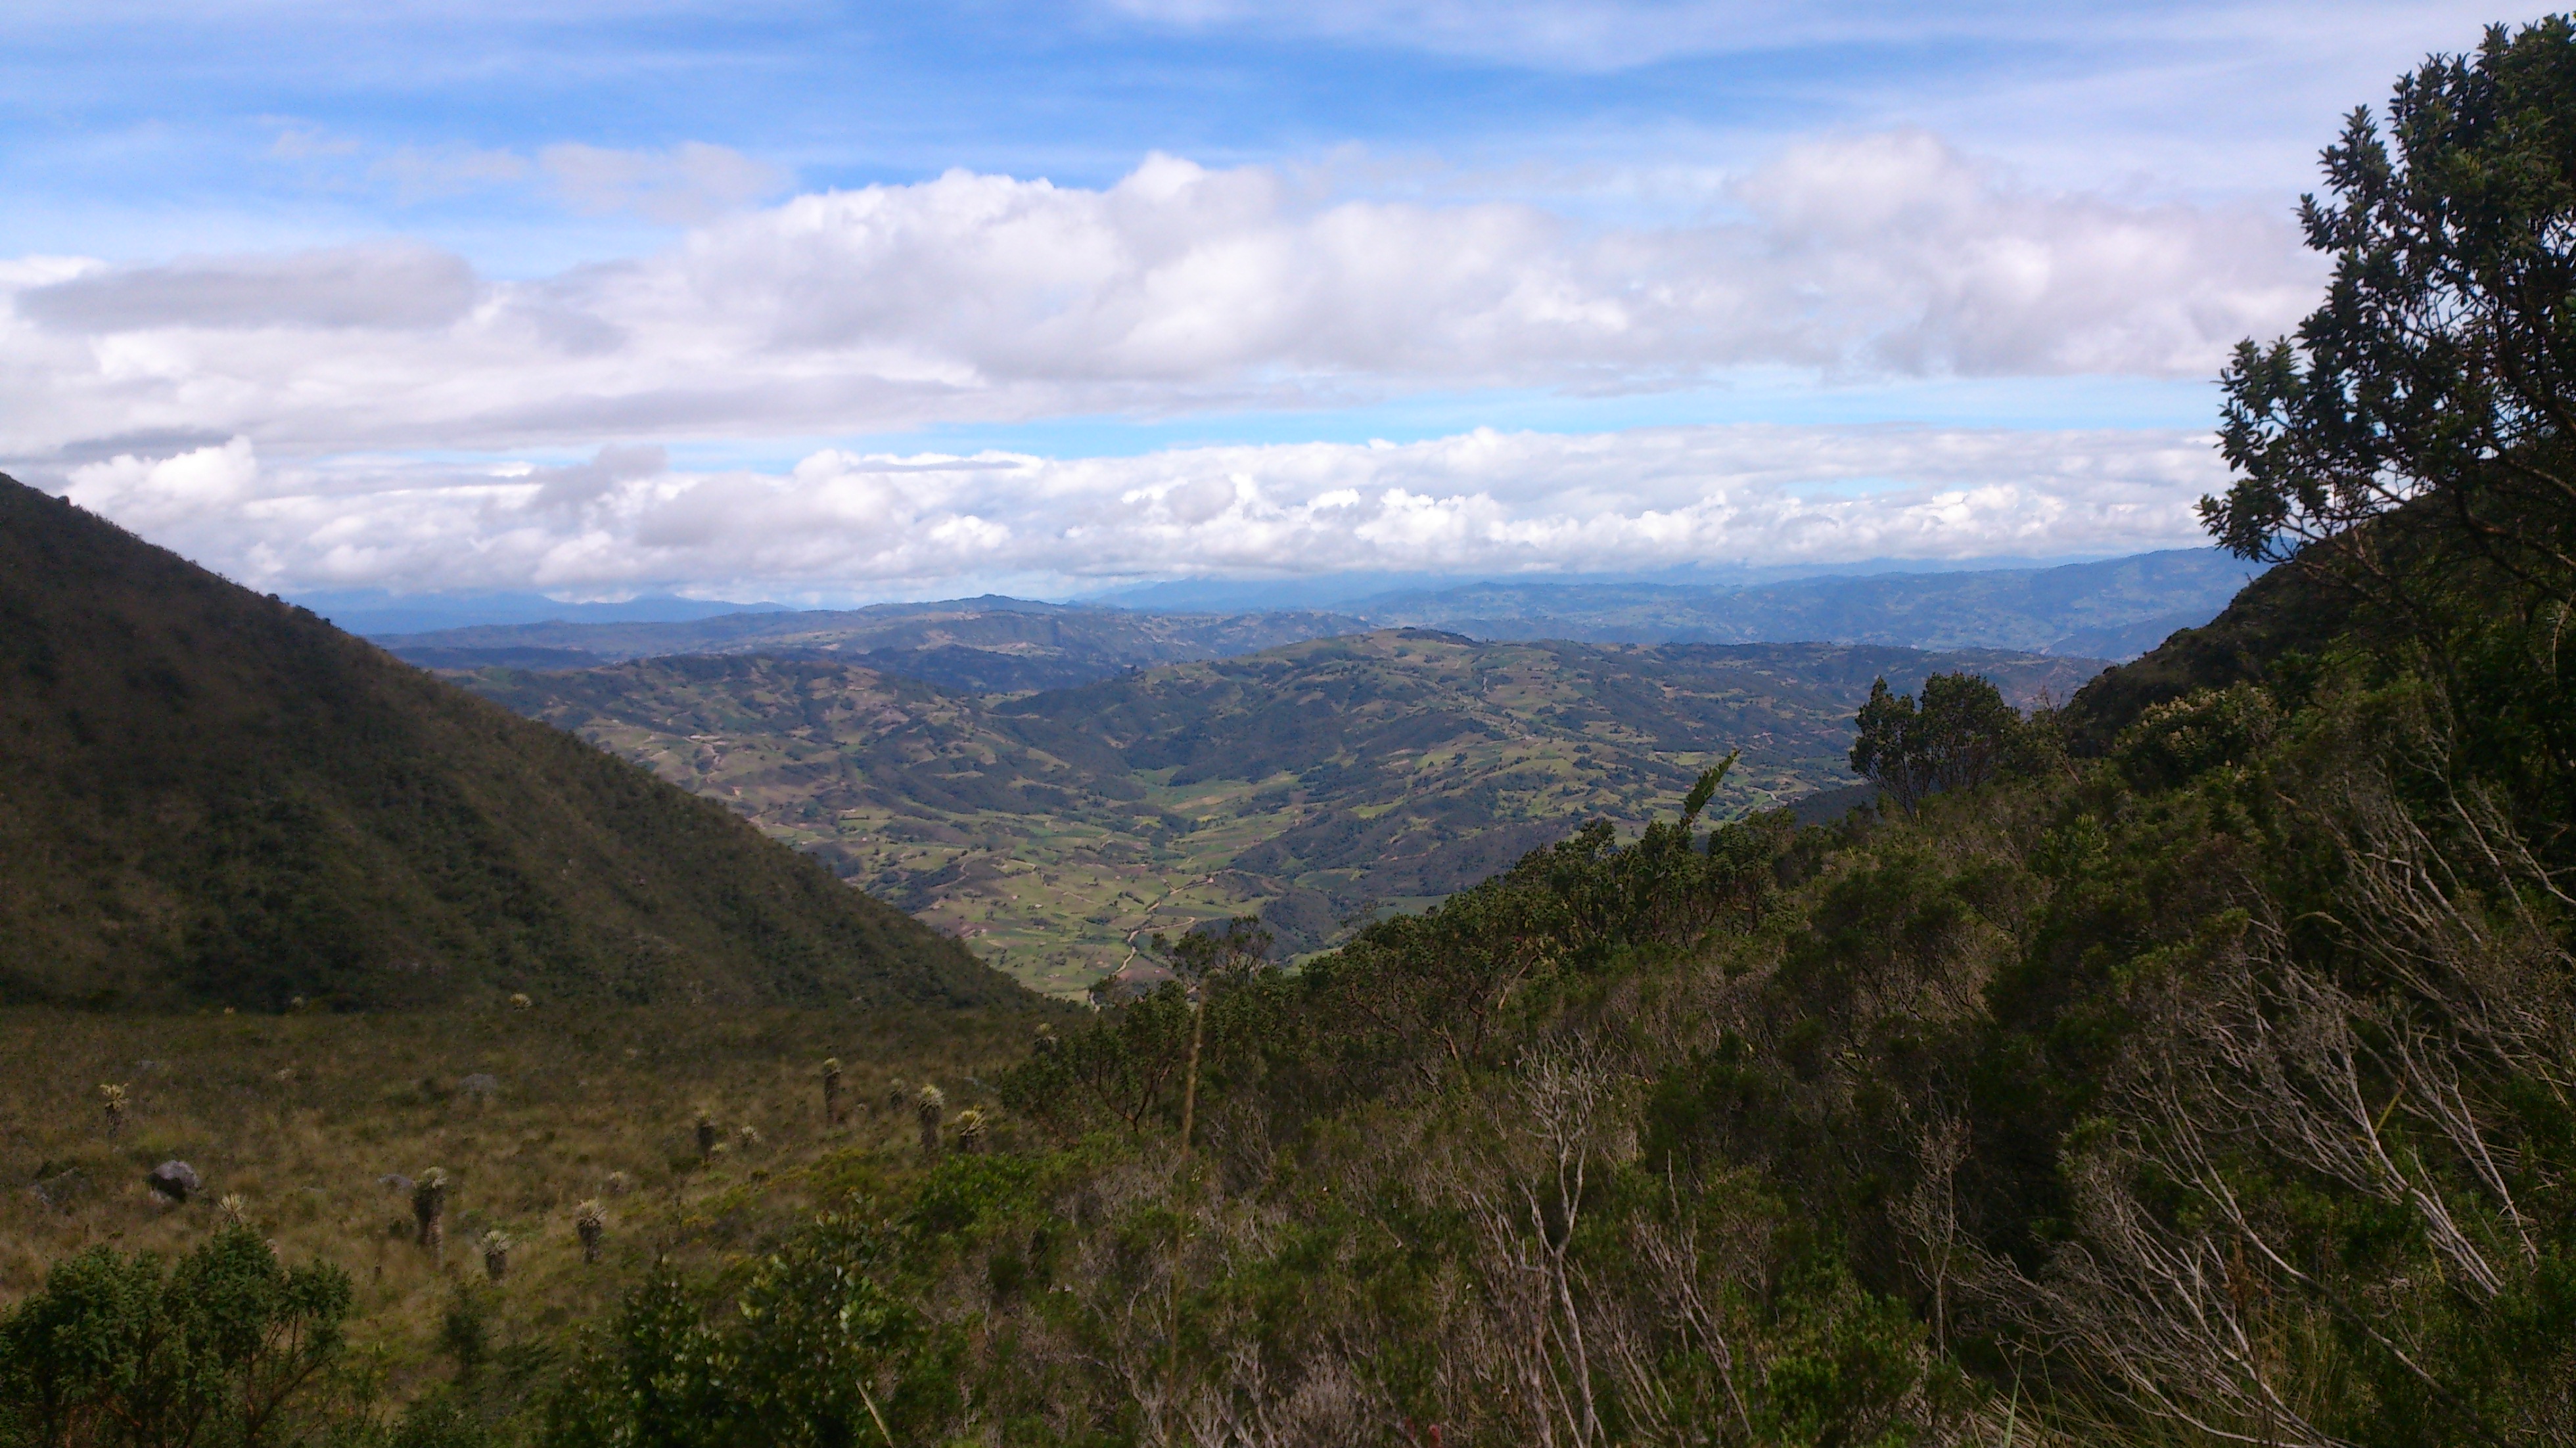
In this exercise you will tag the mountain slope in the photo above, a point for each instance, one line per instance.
(215, 797)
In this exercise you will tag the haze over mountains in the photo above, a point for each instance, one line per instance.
(2114, 609)
(1052, 782)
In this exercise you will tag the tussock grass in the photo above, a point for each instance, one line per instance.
(318, 1128)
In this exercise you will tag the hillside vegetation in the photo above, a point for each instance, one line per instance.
(2187, 1066)
(317, 1126)
(214, 797)
(1307, 784)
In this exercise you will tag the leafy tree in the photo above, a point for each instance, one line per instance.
(1961, 736)
(2434, 384)
(225, 1346)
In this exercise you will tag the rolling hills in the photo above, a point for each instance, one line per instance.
(1311, 783)
(215, 797)
(990, 645)
(2114, 609)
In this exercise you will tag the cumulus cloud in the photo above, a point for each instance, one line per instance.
(840, 525)
(389, 284)
(992, 298)
(150, 494)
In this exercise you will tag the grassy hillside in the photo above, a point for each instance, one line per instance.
(217, 798)
(314, 1121)
(1303, 783)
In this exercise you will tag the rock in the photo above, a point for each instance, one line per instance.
(481, 1085)
(60, 1190)
(173, 1179)
(397, 1183)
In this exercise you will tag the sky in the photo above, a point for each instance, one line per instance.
(831, 303)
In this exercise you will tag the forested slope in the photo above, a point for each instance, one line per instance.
(211, 796)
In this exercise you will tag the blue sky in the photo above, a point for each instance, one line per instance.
(604, 298)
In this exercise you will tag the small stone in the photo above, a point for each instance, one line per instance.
(397, 1183)
(482, 1085)
(61, 1190)
(173, 1179)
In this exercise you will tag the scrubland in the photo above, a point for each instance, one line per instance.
(319, 1123)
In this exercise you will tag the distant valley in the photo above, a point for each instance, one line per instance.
(1307, 783)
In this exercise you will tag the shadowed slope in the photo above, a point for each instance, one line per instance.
(212, 796)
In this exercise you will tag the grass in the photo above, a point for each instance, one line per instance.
(305, 1116)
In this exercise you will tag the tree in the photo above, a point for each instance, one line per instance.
(2431, 393)
(224, 1346)
(1962, 736)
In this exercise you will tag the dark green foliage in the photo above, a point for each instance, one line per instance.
(223, 1347)
(217, 797)
(2428, 391)
(1962, 736)
(822, 1342)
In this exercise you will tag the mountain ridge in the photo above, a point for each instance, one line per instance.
(2114, 609)
(217, 798)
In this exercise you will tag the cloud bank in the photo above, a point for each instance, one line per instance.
(841, 526)
(980, 297)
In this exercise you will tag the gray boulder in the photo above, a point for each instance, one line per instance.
(173, 1179)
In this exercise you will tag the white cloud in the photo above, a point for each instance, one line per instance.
(840, 526)
(391, 284)
(687, 183)
(993, 298)
(425, 173)
(175, 493)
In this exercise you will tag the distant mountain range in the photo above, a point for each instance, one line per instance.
(990, 645)
(216, 797)
(2116, 609)
(376, 611)
(2113, 610)
(1304, 782)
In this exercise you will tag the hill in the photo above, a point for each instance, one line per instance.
(984, 645)
(215, 797)
(2115, 609)
(1308, 783)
